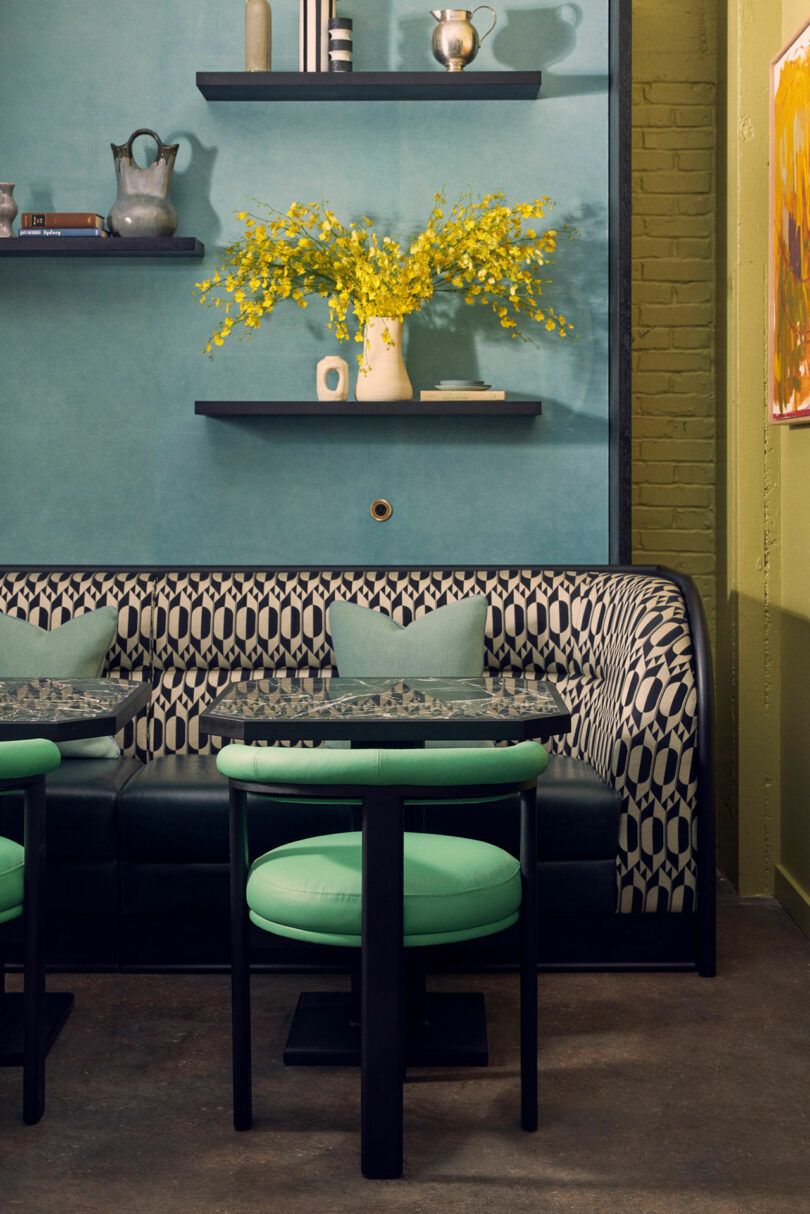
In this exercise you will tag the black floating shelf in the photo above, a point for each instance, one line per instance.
(437, 85)
(101, 246)
(367, 408)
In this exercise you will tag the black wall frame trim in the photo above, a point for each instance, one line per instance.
(619, 276)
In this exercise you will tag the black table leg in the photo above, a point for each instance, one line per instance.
(528, 959)
(240, 965)
(34, 965)
(382, 1031)
(31, 1020)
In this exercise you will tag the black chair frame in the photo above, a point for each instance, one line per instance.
(34, 1043)
(382, 953)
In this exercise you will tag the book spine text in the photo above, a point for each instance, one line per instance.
(62, 232)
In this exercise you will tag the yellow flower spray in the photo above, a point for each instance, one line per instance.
(480, 250)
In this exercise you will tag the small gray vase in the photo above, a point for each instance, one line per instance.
(8, 208)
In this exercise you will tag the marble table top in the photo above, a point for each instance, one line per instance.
(500, 708)
(64, 709)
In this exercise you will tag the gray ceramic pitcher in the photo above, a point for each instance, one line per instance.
(143, 206)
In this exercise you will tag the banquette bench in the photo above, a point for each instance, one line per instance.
(138, 845)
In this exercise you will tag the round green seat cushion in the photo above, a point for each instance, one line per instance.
(12, 867)
(455, 889)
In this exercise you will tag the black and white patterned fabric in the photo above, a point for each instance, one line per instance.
(49, 599)
(617, 644)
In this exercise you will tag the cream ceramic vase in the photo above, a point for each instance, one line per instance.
(257, 36)
(382, 375)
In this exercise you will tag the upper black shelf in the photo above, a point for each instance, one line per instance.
(437, 85)
(100, 246)
(367, 408)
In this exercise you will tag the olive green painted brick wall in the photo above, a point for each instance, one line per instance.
(674, 119)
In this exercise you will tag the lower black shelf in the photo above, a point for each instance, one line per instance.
(100, 246)
(368, 408)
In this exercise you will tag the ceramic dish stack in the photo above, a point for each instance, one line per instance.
(462, 389)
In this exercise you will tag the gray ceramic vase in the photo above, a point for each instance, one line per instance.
(8, 208)
(143, 206)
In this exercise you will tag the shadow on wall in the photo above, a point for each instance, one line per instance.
(191, 188)
(532, 39)
(581, 293)
(372, 25)
(793, 639)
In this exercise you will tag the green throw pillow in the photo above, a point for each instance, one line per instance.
(75, 650)
(445, 643)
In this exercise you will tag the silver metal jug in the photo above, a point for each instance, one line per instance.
(143, 206)
(455, 39)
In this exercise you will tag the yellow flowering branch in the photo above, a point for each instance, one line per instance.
(480, 250)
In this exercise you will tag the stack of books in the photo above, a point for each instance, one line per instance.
(61, 223)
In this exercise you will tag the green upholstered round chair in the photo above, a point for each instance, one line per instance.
(383, 889)
(23, 766)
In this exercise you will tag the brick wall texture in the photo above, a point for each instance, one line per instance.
(673, 315)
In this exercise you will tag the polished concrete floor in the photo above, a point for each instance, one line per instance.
(659, 1092)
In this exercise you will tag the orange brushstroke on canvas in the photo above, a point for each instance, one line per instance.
(791, 239)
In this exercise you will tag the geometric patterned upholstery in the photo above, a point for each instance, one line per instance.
(617, 644)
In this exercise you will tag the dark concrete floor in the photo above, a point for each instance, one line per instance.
(659, 1092)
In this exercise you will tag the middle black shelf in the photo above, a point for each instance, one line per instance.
(434, 85)
(367, 408)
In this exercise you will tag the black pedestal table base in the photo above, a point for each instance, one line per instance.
(58, 1005)
(324, 1031)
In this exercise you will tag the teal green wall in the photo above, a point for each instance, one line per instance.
(102, 458)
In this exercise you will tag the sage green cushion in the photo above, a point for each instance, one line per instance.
(28, 757)
(447, 642)
(90, 748)
(454, 889)
(75, 650)
(12, 868)
(18, 761)
(508, 765)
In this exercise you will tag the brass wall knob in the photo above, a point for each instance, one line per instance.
(381, 510)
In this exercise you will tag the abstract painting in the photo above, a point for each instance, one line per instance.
(789, 277)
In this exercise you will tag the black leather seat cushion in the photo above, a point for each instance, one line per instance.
(175, 810)
(578, 814)
(81, 808)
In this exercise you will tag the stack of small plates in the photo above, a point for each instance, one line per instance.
(455, 385)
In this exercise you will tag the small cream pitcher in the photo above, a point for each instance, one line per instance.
(455, 38)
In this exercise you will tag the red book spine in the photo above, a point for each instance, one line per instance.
(61, 219)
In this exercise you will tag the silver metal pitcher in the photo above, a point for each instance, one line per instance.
(143, 206)
(455, 39)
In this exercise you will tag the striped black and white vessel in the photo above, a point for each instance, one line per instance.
(340, 44)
